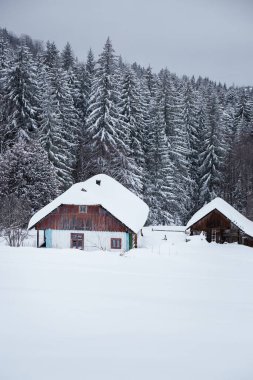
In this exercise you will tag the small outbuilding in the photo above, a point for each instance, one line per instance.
(221, 223)
(99, 213)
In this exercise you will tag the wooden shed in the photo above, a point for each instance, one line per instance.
(99, 213)
(222, 224)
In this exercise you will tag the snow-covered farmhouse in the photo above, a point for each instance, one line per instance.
(99, 213)
(221, 223)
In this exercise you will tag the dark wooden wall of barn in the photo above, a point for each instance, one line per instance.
(68, 217)
(212, 220)
(226, 231)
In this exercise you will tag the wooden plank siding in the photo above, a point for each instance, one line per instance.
(212, 220)
(68, 217)
(217, 226)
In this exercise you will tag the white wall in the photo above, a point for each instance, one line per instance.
(92, 240)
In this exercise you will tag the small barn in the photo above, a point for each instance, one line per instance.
(221, 223)
(99, 213)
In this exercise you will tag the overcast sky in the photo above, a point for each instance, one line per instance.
(211, 38)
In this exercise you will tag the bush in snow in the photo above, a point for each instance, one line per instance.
(14, 214)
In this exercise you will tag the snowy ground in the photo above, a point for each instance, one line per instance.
(173, 310)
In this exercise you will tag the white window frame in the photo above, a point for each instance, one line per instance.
(83, 209)
(118, 242)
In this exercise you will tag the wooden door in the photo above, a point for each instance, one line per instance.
(77, 241)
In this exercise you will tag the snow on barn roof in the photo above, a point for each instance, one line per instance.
(228, 211)
(110, 194)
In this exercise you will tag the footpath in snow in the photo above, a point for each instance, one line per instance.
(173, 310)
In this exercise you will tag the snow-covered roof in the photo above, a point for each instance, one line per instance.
(110, 194)
(228, 211)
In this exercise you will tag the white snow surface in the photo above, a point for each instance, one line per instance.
(228, 211)
(172, 310)
(110, 194)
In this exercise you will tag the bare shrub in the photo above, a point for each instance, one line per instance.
(14, 216)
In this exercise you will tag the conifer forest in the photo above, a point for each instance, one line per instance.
(177, 142)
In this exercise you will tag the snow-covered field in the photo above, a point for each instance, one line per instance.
(173, 310)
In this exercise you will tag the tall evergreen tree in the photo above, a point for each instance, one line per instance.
(132, 122)
(105, 141)
(243, 115)
(160, 182)
(20, 95)
(212, 156)
(26, 173)
(180, 151)
(59, 130)
(67, 57)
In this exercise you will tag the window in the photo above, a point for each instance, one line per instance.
(83, 209)
(76, 241)
(115, 243)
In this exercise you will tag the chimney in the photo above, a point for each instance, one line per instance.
(98, 182)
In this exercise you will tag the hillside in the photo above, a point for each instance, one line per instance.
(177, 142)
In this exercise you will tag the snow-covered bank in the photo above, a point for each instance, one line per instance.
(179, 313)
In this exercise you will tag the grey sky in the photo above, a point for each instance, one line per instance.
(211, 38)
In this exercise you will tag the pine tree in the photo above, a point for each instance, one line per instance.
(88, 78)
(180, 157)
(131, 121)
(59, 121)
(85, 75)
(165, 90)
(243, 115)
(160, 183)
(104, 139)
(67, 57)
(191, 122)
(212, 156)
(20, 95)
(26, 173)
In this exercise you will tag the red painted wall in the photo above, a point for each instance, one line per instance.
(68, 217)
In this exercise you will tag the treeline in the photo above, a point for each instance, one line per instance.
(176, 142)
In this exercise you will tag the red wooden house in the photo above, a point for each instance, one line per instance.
(99, 213)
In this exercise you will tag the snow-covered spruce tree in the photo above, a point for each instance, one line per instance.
(148, 106)
(67, 57)
(59, 121)
(20, 96)
(202, 121)
(179, 152)
(85, 74)
(212, 156)
(160, 183)
(243, 115)
(131, 122)
(4, 52)
(150, 80)
(165, 90)
(5, 58)
(190, 117)
(144, 138)
(51, 55)
(50, 133)
(193, 118)
(70, 67)
(106, 144)
(26, 172)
